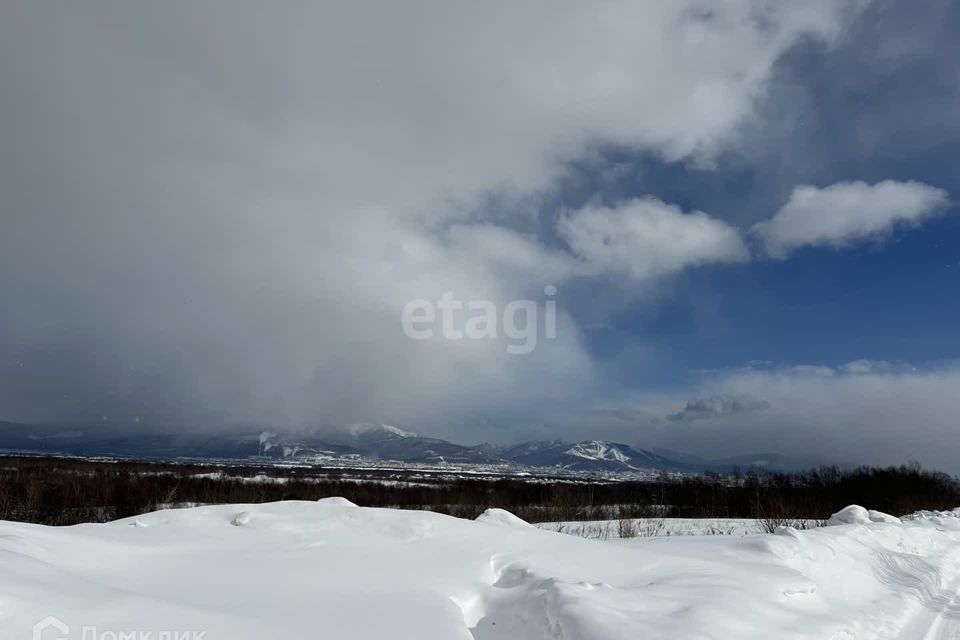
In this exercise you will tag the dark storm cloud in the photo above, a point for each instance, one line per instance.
(213, 213)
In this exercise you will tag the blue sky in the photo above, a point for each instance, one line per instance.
(747, 208)
(893, 303)
(881, 104)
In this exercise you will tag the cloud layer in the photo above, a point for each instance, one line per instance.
(875, 413)
(214, 213)
(862, 412)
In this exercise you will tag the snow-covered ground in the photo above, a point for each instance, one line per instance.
(332, 570)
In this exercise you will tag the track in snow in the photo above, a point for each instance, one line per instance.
(936, 621)
(939, 615)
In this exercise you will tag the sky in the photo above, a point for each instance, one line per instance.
(214, 215)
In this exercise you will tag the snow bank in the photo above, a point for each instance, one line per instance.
(855, 514)
(503, 518)
(329, 569)
(336, 502)
(879, 516)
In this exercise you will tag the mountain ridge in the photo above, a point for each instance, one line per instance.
(381, 442)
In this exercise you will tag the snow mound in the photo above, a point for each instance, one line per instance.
(855, 514)
(880, 516)
(503, 518)
(787, 531)
(336, 501)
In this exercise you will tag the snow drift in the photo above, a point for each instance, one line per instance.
(334, 570)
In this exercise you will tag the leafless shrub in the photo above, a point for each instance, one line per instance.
(778, 513)
(651, 527)
(627, 528)
(717, 530)
(592, 530)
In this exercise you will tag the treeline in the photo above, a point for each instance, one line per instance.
(58, 491)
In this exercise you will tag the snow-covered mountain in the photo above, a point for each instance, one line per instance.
(589, 455)
(389, 443)
(598, 450)
(365, 429)
(383, 442)
(366, 440)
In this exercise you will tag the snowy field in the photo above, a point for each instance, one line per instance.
(332, 570)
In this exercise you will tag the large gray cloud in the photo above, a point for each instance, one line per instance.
(213, 213)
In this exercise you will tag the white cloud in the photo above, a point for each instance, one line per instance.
(846, 213)
(647, 237)
(643, 238)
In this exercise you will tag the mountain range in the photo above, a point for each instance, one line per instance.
(365, 441)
